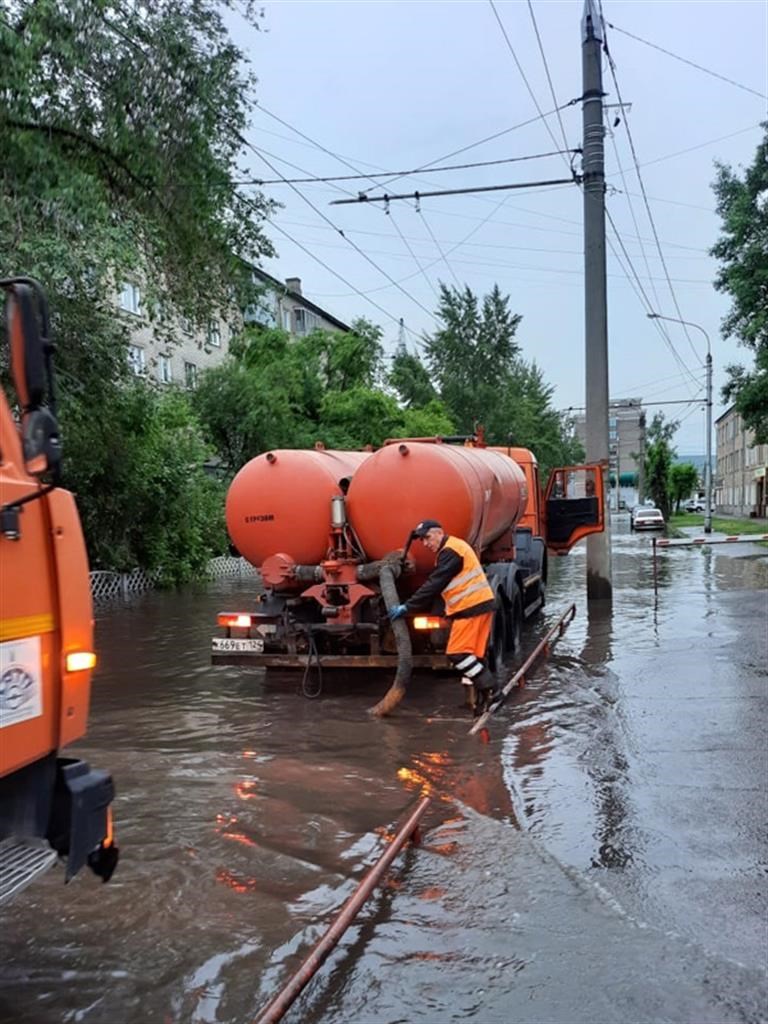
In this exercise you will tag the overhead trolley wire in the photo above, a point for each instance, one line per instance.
(531, 93)
(639, 290)
(480, 142)
(354, 245)
(684, 60)
(612, 66)
(549, 76)
(355, 290)
(356, 176)
(400, 174)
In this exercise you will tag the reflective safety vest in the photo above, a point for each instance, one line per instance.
(470, 586)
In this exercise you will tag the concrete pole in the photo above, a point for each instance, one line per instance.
(599, 584)
(708, 476)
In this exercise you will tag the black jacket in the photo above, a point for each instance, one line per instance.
(447, 566)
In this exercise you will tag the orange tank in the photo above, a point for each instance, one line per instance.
(281, 502)
(475, 493)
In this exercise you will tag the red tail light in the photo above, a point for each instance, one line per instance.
(239, 620)
(428, 622)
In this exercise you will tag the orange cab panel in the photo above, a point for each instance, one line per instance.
(29, 699)
(75, 613)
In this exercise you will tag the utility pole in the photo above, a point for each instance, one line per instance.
(599, 584)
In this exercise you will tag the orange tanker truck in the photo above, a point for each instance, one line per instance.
(330, 533)
(50, 806)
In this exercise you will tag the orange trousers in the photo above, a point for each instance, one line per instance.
(470, 636)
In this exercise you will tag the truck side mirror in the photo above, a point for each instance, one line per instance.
(29, 350)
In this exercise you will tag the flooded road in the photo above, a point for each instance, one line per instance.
(603, 858)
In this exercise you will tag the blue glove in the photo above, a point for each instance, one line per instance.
(397, 611)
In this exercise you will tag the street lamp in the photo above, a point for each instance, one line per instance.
(708, 467)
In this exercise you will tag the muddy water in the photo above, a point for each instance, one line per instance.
(603, 857)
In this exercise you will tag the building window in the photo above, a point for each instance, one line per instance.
(136, 359)
(130, 298)
(164, 371)
(190, 375)
(214, 334)
(286, 319)
(304, 321)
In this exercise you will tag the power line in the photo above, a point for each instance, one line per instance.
(401, 174)
(439, 248)
(354, 245)
(487, 138)
(612, 65)
(684, 60)
(355, 290)
(413, 254)
(641, 292)
(546, 69)
(701, 145)
(522, 73)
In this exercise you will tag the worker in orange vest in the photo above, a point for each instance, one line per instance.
(469, 603)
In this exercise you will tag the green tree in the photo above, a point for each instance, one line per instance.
(143, 495)
(121, 126)
(410, 379)
(659, 455)
(742, 202)
(471, 356)
(683, 481)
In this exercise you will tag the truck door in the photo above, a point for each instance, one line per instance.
(573, 506)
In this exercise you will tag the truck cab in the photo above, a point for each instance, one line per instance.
(51, 806)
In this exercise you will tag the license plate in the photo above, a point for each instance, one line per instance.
(226, 643)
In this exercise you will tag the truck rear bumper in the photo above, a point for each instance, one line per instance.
(437, 662)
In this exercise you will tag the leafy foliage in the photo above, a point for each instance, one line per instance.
(473, 364)
(683, 481)
(120, 126)
(659, 455)
(143, 495)
(742, 203)
(276, 391)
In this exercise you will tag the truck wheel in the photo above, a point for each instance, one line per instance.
(514, 620)
(498, 646)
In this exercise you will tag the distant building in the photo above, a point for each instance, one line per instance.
(284, 305)
(626, 448)
(742, 468)
(193, 350)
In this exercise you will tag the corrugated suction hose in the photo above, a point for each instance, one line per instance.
(396, 692)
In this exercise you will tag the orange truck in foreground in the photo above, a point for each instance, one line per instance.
(50, 806)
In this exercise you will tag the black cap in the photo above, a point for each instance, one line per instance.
(425, 526)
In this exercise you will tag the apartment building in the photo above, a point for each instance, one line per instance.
(742, 468)
(626, 448)
(194, 350)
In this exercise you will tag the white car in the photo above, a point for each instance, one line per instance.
(647, 519)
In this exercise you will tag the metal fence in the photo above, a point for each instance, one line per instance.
(110, 586)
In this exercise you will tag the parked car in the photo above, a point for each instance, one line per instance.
(647, 519)
(696, 505)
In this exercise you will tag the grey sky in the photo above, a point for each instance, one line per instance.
(390, 86)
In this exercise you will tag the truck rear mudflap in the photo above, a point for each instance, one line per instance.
(55, 808)
(81, 819)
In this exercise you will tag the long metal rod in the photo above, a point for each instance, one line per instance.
(363, 198)
(277, 1007)
(518, 679)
